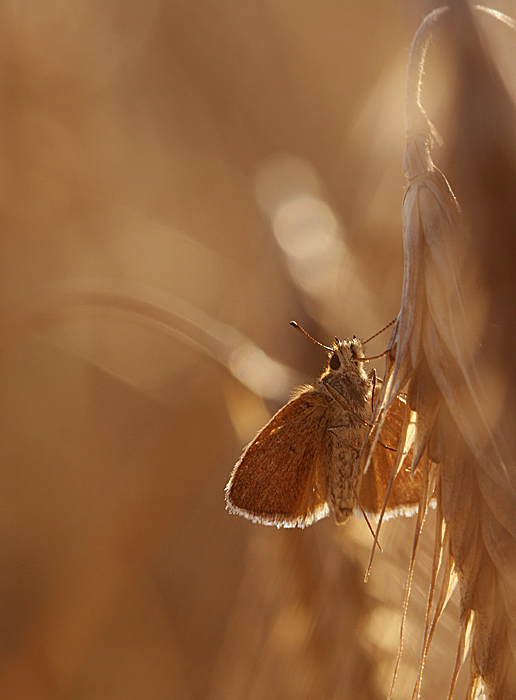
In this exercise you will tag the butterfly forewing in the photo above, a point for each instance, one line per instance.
(406, 489)
(276, 483)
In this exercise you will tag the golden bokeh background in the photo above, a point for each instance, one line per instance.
(178, 181)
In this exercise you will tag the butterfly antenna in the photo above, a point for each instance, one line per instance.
(296, 325)
(375, 357)
(380, 331)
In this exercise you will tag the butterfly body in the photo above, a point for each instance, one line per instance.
(347, 420)
(305, 462)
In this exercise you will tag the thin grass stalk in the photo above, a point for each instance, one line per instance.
(421, 514)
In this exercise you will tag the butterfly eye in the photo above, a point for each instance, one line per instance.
(334, 361)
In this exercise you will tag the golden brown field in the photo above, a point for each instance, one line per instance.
(178, 181)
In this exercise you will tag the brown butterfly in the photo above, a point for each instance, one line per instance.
(301, 465)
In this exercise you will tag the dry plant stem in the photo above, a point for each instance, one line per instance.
(51, 306)
(421, 514)
(401, 451)
(183, 321)
(364, 515)
(459, 657)
(438, 545)
(449, 580)
(416, 120)
(437, 350)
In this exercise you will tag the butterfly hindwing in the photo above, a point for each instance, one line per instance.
(281, 477)
(406, 489)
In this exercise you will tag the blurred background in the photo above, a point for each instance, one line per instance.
(178, 181)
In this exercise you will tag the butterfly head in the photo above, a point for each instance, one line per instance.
(347, 356)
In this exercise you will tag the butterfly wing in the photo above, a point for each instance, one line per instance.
(406, 489)
(281, 477)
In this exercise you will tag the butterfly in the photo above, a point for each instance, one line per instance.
(302, 465)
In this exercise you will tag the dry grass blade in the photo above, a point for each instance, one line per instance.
(448, 583)
(403, 446)
(444, 348)
(167, 313)
(422, 510)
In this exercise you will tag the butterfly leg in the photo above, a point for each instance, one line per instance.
(338, 398)
(355, 487)
(334, 430)
(373, 377)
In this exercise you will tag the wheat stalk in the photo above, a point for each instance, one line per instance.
(441, 347)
